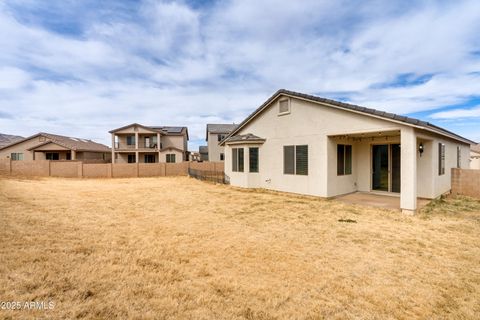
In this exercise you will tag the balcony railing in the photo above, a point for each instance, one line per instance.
(119, 145)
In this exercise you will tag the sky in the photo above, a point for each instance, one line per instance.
(82, 68)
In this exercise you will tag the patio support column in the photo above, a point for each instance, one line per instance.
(158, 146)
(113, 147)
(73, 155)
(136, 146)
(408, 170)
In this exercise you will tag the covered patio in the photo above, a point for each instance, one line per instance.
(377, 167)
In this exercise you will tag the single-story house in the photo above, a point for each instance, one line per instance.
(475, 157)
(47, 146)
(314, 146)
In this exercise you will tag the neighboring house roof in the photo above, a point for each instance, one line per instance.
(167, 130)
(171, 130)
(6, 139)
(244, 138)
(76, 144)
(220, 128)
(352, 108)
(137, 125)
(203, 149)
(475, 148)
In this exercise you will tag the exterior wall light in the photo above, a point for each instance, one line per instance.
(420, 148)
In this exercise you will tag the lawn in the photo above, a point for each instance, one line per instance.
(177, 248)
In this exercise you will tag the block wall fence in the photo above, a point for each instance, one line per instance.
(79, 169)
(466, 182)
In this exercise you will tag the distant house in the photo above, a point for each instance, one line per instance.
(475, 156)
(309, 145)
(6, 139)
(136, 143)
(203, 150)
(193, 156)
(214, 134)
(47, 146)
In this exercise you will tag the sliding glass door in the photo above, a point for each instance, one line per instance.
(386, 167)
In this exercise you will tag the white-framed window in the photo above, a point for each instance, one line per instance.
(16, 156)
(253, 159)
(283, 106)
(130, 140)
(344, 159)
(171, 158)
(441, 159)
(295, 160)
(237, 160)
(221, 136)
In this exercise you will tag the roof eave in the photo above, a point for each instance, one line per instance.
(291, 94)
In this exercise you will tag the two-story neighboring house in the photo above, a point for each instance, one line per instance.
(136, 143)
(216, 133)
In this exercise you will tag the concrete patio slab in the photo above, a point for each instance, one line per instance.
(377, 200)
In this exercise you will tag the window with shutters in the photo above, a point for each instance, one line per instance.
(344, 159)
(295, 160)
(253, 159)
(441, 159)
(237, 160)
(284, 106)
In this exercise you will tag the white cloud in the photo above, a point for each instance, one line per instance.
(457, 113)
(13, 78)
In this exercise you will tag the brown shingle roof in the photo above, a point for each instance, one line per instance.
(76, 144)
(245, 138)
(354, 108)
(475, 147)
(220, 128)
(168, 130)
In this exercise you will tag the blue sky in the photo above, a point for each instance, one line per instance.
(82, 68)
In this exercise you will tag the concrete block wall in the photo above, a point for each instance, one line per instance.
(466, 182)
(78, 169)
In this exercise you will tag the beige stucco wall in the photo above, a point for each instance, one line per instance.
(22, 148)
(311, 124)
(214, 149)
(179, 142)
(178, 155)
(474, 160)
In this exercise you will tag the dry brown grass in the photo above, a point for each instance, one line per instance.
(177, 248)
